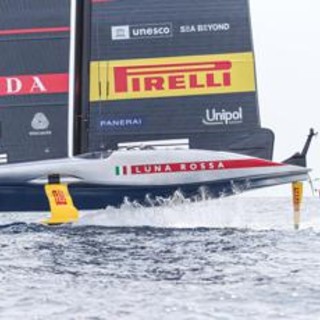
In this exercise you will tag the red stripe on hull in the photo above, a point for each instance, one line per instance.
(202, 166)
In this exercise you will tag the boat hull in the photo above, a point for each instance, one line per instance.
(22, 197)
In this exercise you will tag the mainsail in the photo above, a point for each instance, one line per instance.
(34, 67)
(168, 70)
(145, 71)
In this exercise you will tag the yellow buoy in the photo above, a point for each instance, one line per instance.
(297, 195)
(61, 205)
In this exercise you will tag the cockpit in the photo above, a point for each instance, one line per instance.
(95, 155)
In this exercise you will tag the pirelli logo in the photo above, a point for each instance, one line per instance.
(170, 77)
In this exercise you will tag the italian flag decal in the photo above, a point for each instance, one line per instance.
(121, 171)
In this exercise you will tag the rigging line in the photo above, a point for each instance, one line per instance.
(100, 103)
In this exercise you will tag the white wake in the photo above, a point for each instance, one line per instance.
(232, 212)
(241, 212)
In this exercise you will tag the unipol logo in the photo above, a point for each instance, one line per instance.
(172, 77)
(222, 117)
(33, 84)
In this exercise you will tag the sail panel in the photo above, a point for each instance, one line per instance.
(151, 28)
(172, 69)
(34, 78)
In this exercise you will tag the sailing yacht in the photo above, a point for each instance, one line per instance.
(130, 99)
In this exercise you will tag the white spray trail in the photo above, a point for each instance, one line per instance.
(232, 212)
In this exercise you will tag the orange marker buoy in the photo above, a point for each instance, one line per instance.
(297, 195)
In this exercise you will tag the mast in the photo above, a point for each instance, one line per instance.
(84, 42)
(76, 87)
(72, 75)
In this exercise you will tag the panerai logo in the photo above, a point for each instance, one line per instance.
(40, 125)
(121, 123)
(222, 117)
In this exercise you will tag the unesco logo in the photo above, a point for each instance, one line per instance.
(143, 31)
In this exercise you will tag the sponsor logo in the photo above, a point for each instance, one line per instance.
(169, 77)
(222, 117)
(193, 166)
(121, 123)
(33, 84)
(59, 197)
(173, 77)
(177, 167)
(40, 124)
(158, 30)
(209, 27)
(120, 33)
(3, 158)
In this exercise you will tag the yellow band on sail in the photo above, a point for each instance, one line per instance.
(172, 77)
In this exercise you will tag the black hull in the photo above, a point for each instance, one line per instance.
(33, 198)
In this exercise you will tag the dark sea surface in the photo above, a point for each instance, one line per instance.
(234, 258)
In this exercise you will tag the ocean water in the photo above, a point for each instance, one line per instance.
(232, 258)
